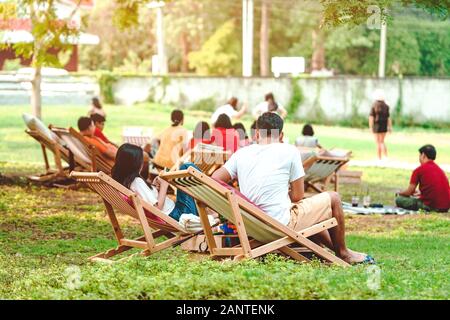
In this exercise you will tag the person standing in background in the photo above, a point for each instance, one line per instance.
(96, 108)
(380, 124)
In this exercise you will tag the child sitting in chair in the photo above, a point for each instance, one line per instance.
(129, 163)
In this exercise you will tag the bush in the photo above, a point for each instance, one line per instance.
(208, 104)
(106, 80)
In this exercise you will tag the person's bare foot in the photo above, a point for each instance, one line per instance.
(353, 257)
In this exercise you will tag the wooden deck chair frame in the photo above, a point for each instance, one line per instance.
(60, 154)
(111, 193)
(99, 161)
(208, 193)
(208, 161)
(321, 169)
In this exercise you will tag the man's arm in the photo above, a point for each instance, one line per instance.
(410, 191)
(297, 191)
(371, 123)
(222, 175)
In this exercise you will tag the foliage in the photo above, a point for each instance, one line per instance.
(119, 49)
(297, 98)
(208, 104)
(48, 30)
(106, 81)
(357, 12)
(219, 55)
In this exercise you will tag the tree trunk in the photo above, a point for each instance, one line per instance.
(318, 44)
(185, 48)
(36, 92)
(264, 39)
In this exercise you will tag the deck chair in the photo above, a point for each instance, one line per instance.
(98, 160)
(268, 235)
(61, 154)
(319, 170)
(206, 157)
(117, 198)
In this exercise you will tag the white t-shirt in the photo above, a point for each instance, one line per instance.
(227, 109)
(263, 107)
(264, 173)
(150, 195)
(307, 141)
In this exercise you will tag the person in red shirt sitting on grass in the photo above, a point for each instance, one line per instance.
(433, 185)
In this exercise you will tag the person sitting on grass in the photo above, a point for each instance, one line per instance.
(308, 140)
(224, 135)
(271, 175)
(201, 134)
(87, 129)
(172, 142)
(433, 185)
(99, 122)
(243, 137)
(126, 171)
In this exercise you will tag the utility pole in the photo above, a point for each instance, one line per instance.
(162, 60)
(264, 42)
(382, 59)
(247, 38)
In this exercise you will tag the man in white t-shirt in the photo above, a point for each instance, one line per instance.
(230, 109)
(271, 175)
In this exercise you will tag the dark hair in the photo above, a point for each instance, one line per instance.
(269, 121)
(381, 110)
(240, 128)
(202, 131)
(253, 129)
(233, 102)
(429, 151)
(308, 130)
(269, 97)
(84, 123)
(129, 160)
(223, 121)
(273, 106)
(97, 118)
(177, 117)
(96, 103)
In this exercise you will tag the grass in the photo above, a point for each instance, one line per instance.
(46, 235)
(16, 146)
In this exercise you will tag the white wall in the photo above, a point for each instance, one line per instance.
(423, 98)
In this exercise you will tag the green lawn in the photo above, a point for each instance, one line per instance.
(46, 235)
(16, 146)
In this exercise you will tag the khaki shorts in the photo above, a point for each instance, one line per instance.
(310, 211)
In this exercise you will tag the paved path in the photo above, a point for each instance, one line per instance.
(395, 164)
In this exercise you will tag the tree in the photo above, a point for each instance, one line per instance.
(49, 32)
(357, 12)
(219, 55)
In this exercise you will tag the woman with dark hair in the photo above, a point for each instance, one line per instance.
(172, 142)
(129, 162)
(230, 109)
(201, 134)
(269, 105)
(96, 108)
(224, 135)
(243, 137)
(307, 139)
(380, 123)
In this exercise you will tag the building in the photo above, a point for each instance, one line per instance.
(17, 30)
